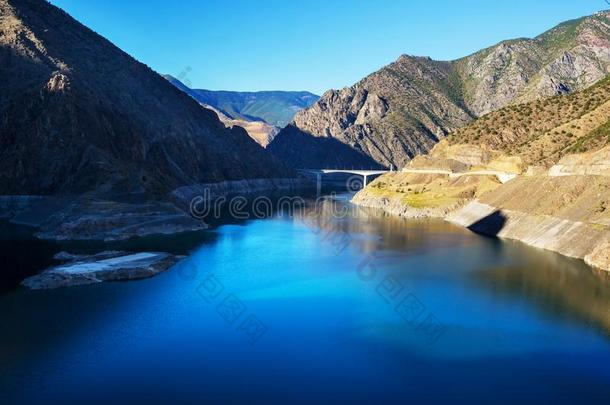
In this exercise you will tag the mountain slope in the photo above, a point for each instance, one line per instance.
(403, 109)
(258, 130)
(399, 111)
(543, 131)
(77, 114)
(276, 108)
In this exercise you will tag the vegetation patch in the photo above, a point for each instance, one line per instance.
(543, 131)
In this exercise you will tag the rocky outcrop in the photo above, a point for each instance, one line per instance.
(600, 256)
(403, 109)
(106, 266)
(59, 83)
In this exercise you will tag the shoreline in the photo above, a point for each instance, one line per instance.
(121, 217)
(575, 239)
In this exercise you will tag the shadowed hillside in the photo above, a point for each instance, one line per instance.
(78, 114)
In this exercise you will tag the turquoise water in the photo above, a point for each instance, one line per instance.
(315, 308)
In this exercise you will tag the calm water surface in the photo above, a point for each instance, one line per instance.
(315, 308)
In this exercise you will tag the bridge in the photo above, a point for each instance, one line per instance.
(365, 174)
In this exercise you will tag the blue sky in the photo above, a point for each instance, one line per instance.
(310, 45)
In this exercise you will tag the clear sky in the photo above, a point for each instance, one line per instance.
(310, 45)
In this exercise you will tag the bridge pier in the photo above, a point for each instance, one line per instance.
(318, 184)
(365, 181)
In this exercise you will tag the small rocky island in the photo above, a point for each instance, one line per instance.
(105, 266)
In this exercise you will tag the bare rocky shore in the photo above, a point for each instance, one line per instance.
(115, 218)
(104, 266)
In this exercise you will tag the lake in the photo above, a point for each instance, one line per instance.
(315, 307)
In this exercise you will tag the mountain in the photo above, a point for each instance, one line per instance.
(276, 108)
(405, 108)
(77, 114)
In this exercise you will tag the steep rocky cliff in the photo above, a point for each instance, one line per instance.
(78, 115)
(406, 107)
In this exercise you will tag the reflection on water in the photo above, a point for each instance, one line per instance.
(350, 302)
(332, 218)
(559, 286)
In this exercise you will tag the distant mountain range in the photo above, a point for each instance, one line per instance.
(77, 115)
(405, 108)
(276, 108)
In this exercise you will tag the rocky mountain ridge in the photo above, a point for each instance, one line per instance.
(403, 109)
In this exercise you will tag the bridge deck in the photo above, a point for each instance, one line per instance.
(347, 171)
(364, 173)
